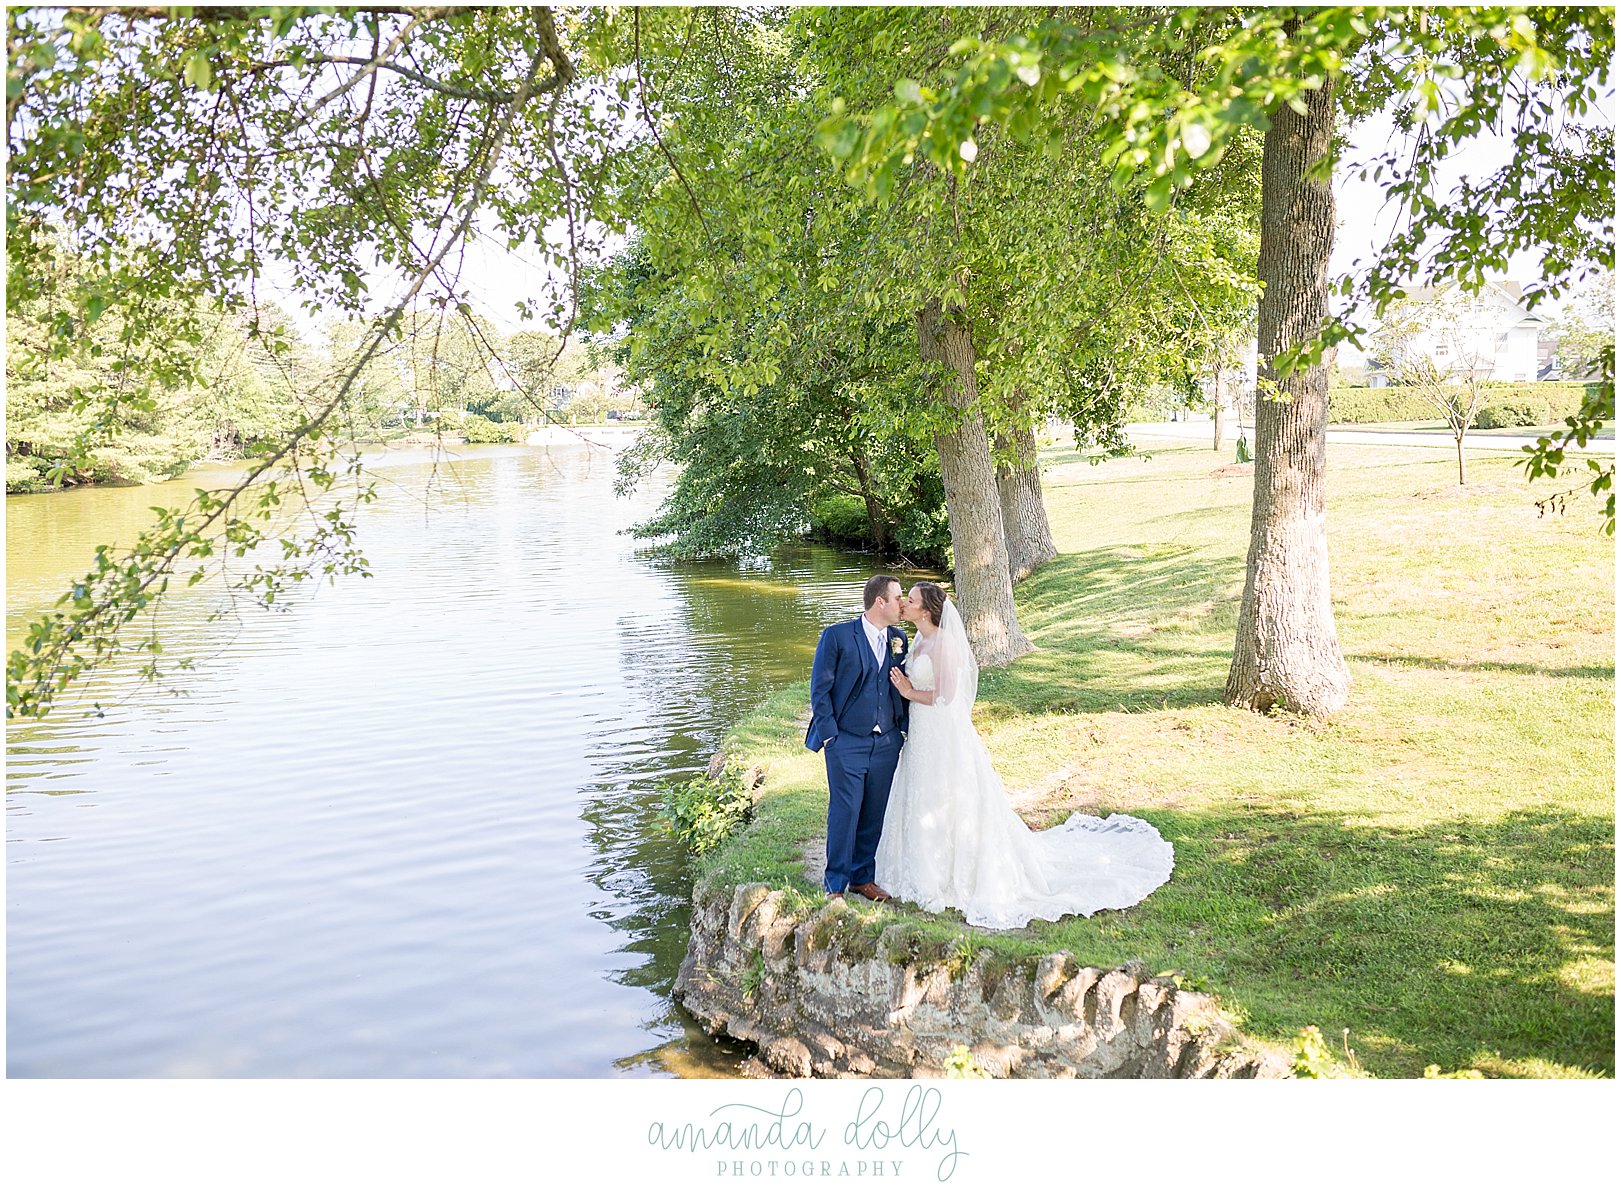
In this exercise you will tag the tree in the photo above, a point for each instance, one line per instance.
(1012, 302)
(237, 397)
(758, 463)
(1287, 650)
(1028, 535)
(1447, 74)
(771, 296)
(1225, 360)
(979, 541)
(177, 153)
(1012, 260)
(564, 375)
(775, 391)
(1585, 329)
(1435, 347)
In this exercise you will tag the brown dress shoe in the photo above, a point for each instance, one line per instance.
(871, 891)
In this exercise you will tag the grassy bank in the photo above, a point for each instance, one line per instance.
(1433, 869)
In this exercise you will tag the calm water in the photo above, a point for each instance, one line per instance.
(409, 828)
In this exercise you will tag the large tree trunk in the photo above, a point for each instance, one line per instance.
(978, 544)
(1287, 652)
(1024, 514)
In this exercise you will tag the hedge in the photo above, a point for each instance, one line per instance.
(1548, 402)
(477, 429)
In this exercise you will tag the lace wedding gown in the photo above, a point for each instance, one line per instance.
(950, 839)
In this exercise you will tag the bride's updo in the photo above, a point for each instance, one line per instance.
(933, 598)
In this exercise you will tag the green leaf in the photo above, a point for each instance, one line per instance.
(844, 139)
(1157, 195)
(199, 70)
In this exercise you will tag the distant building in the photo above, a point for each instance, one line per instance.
(1553, 364)
(1492, 334)
(1547, 358)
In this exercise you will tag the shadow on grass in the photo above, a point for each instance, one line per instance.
(1096, 616)
(1605, 672)
(1470, 942)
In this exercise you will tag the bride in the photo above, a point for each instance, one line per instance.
(950, 839)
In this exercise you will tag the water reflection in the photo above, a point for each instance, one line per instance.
(409, 829)
(696, 663)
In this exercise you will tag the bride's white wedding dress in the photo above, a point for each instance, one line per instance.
(950, 839)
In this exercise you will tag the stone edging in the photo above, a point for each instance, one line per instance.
(821, 995)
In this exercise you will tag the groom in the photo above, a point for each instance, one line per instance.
(858, 718)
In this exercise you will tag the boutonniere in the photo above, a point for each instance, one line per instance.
(896, 646)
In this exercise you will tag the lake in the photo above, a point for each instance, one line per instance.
(408, 828)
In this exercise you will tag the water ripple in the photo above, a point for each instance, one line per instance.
(408, 829)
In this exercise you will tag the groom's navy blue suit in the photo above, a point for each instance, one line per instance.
(857, 719)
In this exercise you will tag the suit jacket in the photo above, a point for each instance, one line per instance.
(846, 680)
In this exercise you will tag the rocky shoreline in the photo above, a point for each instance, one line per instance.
(822, 993)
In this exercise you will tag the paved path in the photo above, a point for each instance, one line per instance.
(1200, 431)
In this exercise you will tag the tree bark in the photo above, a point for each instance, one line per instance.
(973, 504)
(1024, 514)
(1287, 652)
(1215, 413)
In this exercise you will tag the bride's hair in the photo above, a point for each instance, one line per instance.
(933, 598)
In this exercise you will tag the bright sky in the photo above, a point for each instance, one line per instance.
(1366, 222)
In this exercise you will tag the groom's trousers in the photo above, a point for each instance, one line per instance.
(859, 773)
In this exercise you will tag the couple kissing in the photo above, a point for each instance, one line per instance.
(914, 805)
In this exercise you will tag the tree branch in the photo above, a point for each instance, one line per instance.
(380, 63)
(214, 12)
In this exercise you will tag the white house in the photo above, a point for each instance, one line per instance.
(1491, 333)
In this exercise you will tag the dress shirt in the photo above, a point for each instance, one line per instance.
(878, 638)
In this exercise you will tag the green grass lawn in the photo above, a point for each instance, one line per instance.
(1432, 869)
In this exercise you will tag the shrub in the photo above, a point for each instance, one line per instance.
(1357, 406)
(839, 517)
(1398, 402)
(477, 429)
(923, 534)
(1502, 414)
(26, 474)
(704, 811)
